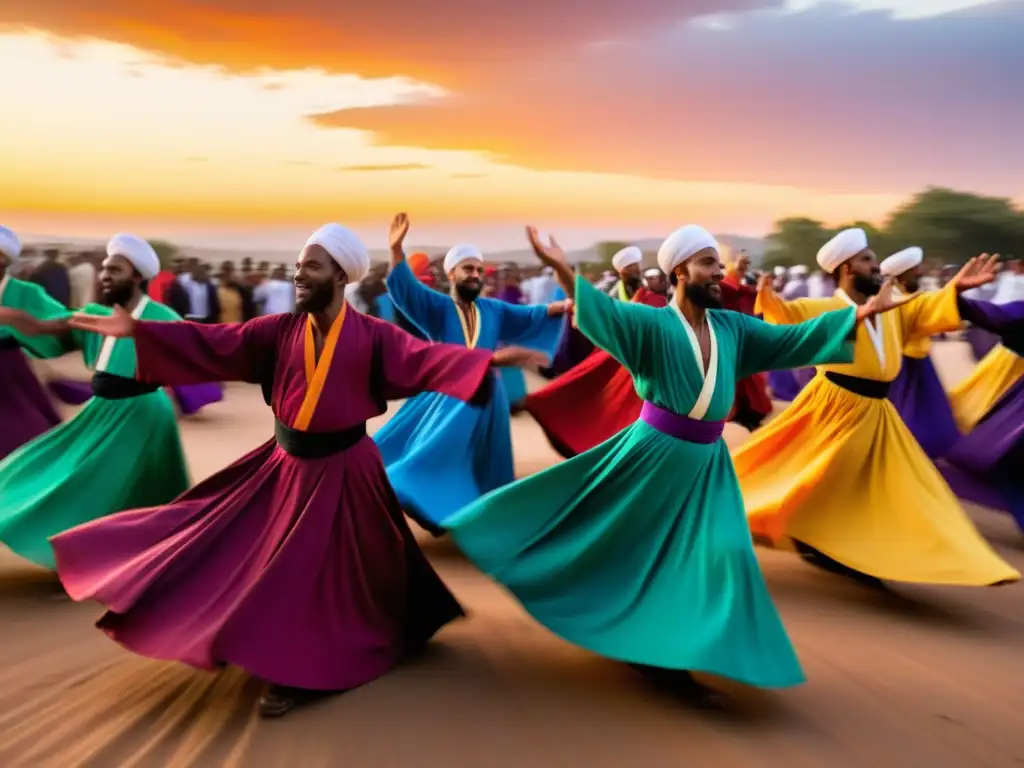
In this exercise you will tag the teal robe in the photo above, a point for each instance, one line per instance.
(113, 455)
(639, 549)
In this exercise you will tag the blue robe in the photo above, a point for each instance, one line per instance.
(442, 454)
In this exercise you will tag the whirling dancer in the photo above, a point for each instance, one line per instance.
(837, 475)
(660, 574)
(295, 562)
(25, 409)
(595, 399)
(986, 465)
(752, 404)
(917, 393)
(122, 449)
(441, 453)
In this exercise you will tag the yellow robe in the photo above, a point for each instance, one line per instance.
(842, 473)
(992, 378)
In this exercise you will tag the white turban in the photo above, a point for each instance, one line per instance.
(137, 251)
(10, 245)
(460, 253)
(780, 271)
(682, 245)
(626, 257)
(842, 248)
(652, 272)
(902, 261)
(798, 271)
(345, 247)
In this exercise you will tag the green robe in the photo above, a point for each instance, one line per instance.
(639, 549)
(113, 455)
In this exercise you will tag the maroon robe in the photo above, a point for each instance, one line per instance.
(302, 571)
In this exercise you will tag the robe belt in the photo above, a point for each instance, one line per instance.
(108, 386)
(681, 427)
(876, 390)
(8, 342)
(316, 445)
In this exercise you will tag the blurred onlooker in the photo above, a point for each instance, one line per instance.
(276, 295)
(233, 296)
(53, 277)
(82, 276)
(655, 281)
(203, 303)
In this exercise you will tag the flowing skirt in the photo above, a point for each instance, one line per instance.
(442, 454)
(658, 573)
(843, 474)
(922, 403)
(301, 571)
(25, 409)
(113, 455)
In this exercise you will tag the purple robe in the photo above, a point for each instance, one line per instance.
(302, 571)
(25, 410)
(986, 466)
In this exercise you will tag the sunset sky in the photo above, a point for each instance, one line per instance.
(249, 122)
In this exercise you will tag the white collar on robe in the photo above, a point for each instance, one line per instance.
(875, 329)
(3, 284)
(470, 342)
(710, 377)
(107, 349)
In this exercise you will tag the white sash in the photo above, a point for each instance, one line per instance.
(107, 348)
(876, 331)
(700, 408)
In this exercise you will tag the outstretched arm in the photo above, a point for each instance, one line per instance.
(621, 329)
(822, 340)
(777, 310)
(423, 306)
(180, 352)
(1004, 320)
(44, 338)
(927, 314)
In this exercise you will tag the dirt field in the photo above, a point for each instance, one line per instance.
(918, 678)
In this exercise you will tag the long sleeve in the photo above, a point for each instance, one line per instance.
(409, 366)
(1004, 320)
(530, 326)
(33, 300)
(175, 353)
(777, 310)
(823, 340)
(930, 313)
(622, 329)
(423, 306)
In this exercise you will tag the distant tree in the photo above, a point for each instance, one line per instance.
(953, 226)
(795, 241)
(165, 251)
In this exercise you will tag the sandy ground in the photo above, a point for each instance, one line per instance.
(919, 677)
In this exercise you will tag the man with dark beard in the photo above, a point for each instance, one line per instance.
(295, 562)
(122, 449)
(440, 452)
(837, 476)
(638, 548)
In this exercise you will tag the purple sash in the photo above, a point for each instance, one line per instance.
(681, 427)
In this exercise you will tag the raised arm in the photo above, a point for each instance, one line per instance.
(537, 326)
(621, 329)
(423, 306)
(927, 314)
(823, 340)
(552, 255)
(180, 352)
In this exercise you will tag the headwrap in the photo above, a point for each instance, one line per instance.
(780, 271)
(798, 270)
(137, 251)
(842, 248)
(652, 272)
(460, 253)
(626, 257)
(682, 245)
(10, 245)
(345, 247)
(902, 261)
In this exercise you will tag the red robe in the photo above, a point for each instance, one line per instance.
(751, 392)
(590, 402)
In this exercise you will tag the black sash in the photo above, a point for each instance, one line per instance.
(876, 390)
(316, 445)
(107, 386)
(8, 342)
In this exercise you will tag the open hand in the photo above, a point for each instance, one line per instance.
(399, 229)
(519, 357)
(883, 301)
(551, 253)
(981, 270)
(119, 325)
